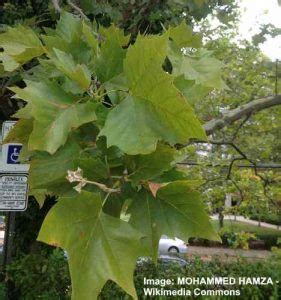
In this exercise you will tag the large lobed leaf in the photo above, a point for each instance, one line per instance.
(55, 114)
(144, 167)
(155, 110)
(99, 246)
(20, 45)
(177, 211)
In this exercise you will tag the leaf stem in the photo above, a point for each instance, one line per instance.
(103, 187)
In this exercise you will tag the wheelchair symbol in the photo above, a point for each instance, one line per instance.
(13, 154)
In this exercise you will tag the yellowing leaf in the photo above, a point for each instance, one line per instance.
(20, 45)
(182, 36)
(55, 114)
(154, 187)
(100, 247)
(79, 73)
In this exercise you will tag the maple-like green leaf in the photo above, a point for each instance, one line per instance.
(174, 174)
(93, 168)
(111, 53)
(100, 247)
(20, 132)
(55, 114)
(201, 67)
(79, 73)
(144, 167)
(20, 45)
(50, 171)
(177, 211)
(90, 38)
(193, 92)
(155, 110)
(68, 37)
(183, 36)
(23, 113)
(130, 127)
(69, 27)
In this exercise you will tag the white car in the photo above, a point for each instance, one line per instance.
(168, 245)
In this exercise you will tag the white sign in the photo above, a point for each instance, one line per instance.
(13, 175)
(10, 152)
(13, 192)
(6, 127)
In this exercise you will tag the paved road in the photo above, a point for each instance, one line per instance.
(225, 254)
(248, 221)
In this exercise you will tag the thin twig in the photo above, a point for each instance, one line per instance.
(240, 126)
(78, 9)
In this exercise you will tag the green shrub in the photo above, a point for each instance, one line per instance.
(198, 268)
(2, 290)
(268, 218)
(41, 276)
(236, 239)
(38, 277)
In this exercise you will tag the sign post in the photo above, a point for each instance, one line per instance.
(13, 188)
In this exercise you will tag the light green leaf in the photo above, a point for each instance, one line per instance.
(177, 211)
(68, 37)
(20, 132)
(55, 112)
(201, 67)
(20, 45)
(193, 92)
(155, 110)
(182, 36)
(90, 37)
(69, 27)
(99, 246)
(147, 54)
(130, 127)
(24, 113)
(79, 73)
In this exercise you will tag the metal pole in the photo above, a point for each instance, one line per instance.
(8, 238)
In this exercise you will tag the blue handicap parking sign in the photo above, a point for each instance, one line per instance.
(13, 154)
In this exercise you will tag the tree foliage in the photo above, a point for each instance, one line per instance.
(102, 119)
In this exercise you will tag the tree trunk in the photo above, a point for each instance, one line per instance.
(221, 218)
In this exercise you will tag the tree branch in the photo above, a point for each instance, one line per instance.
(78, 9)
(241, 111)
(56, 5)
(261, 166)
